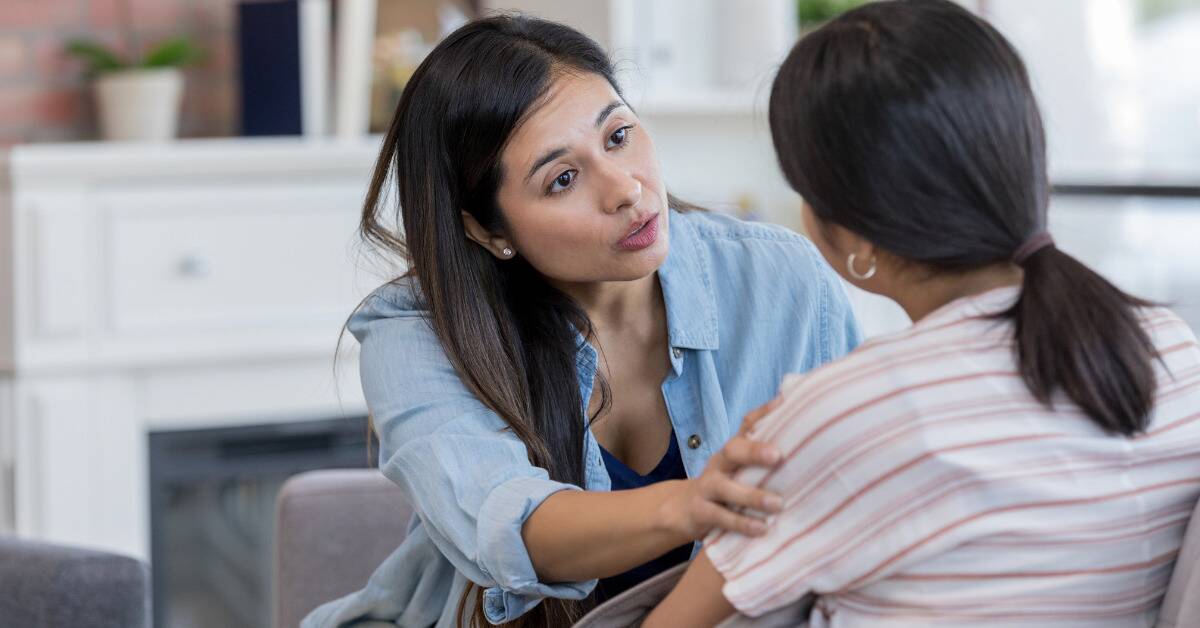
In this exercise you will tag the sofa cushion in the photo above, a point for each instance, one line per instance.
(51, 586)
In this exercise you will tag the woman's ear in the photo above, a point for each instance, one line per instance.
(496, 245)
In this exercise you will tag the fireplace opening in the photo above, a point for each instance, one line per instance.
(212, 508)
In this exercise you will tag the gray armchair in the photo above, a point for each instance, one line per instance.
(51, 586)
(332, 529)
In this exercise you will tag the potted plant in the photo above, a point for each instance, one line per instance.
(814, 13)
(137, 100)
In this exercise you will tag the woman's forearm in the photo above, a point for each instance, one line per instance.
(583, 535)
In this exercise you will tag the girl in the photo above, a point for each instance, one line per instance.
(566, 329)
(1028, 452)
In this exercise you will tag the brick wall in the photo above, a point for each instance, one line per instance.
(44, 95)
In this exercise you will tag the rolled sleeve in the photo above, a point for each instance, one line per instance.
(502, 548)
(474, 492)
(469, 478)
(501, 518)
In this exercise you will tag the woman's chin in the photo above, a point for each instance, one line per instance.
(645, 262)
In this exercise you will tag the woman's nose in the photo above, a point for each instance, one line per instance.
(621, 190)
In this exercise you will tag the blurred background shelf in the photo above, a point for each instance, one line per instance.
(703, 103)
(159, 299)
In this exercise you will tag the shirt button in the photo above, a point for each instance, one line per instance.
(694, 441)
(677, 353)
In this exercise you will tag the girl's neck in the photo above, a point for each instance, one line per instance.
(920, 298)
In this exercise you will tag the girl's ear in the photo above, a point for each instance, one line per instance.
(845, 242)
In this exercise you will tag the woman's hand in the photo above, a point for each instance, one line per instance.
(715, 500)
(575, 535)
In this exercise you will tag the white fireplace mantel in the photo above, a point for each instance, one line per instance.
(154, 287)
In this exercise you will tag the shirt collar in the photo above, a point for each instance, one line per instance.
(985, 303)
(687, 289)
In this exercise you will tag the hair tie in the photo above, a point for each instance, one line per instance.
(1035, 243)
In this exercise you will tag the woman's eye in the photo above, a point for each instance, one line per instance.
(618, 137)
(562, 181)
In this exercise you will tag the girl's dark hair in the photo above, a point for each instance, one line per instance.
(912, 123)
(511, 336)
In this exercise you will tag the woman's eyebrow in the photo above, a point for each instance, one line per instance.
(609, 108)
(545, 159)
(560, 151)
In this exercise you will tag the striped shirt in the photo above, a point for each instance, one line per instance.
(924, 485)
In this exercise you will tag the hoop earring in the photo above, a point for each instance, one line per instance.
(854, 273)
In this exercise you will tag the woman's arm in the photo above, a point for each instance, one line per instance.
(476, 492)
(577, 536)
(696, 601)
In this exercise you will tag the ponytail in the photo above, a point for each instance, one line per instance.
(1078, 333)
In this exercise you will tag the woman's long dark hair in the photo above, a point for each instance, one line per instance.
(912, 123)
(510, 335)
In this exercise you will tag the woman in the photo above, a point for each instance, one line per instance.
(1028, 452)
(562, 328)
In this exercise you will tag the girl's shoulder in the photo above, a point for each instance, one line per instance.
(1165, 327)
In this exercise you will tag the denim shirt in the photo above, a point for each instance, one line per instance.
(746, 304)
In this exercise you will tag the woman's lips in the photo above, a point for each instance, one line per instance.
(643, 237)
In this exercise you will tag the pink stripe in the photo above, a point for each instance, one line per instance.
(927, 495)
(831, 468)
(1175, 516)
(1154, 589)
(1192, 418)
(1153, 562)
(830, 386)
(1185, 452)
(802, 493)
(1007, 616)
(889, 395)
(1046, 504)
(909, 424)
(817, 389)
(1152, 320)
(914, 504)
(1179, 385)
(846, 503)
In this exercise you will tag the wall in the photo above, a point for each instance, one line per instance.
(44, 95)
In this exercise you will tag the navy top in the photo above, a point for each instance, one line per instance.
(669, 468)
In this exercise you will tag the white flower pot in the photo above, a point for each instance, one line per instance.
(139, 105)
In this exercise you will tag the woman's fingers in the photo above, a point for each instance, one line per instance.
(718, 501)
(758, 413)
(735, 494)
(743, 452)
(725, 519)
